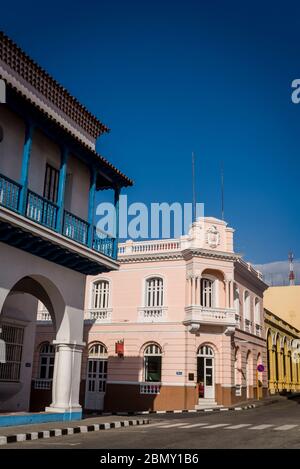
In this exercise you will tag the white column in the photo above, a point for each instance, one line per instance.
(66, 378)
(193, 290)
(226, 294)
(231, 294)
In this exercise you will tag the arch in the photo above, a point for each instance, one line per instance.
(205, 350)
(45, 291)
(97, 350)
(152, 349)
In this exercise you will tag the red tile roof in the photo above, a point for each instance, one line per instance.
(30, 71)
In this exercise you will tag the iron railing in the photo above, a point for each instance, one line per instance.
(41, 210)
(9, 193)
(45, 212)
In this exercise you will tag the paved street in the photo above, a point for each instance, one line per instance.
(271, 426)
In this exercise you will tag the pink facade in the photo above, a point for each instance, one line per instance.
(190, 314)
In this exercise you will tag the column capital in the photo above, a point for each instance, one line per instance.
(71, 345)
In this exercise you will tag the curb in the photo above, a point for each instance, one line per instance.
(188, 411)
(183, 411)
(68, 431)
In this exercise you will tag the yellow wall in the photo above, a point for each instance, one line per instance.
(285, 303)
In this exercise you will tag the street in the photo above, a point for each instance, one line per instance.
(271, 426)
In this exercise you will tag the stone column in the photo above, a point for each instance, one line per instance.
(66, 378)
(193, 289)
(232, 294)
(226, 294)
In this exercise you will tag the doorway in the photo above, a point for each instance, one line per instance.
(205, 372)
(96, 377)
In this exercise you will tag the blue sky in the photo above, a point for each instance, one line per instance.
(172, 77)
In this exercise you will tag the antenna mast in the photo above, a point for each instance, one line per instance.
(194, 187)
(292, 273)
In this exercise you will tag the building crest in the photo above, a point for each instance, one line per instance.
(213, 237)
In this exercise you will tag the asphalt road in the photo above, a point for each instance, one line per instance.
(271, 426)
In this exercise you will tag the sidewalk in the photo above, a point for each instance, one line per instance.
(48, 430)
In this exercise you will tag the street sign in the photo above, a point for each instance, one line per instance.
(260, 368)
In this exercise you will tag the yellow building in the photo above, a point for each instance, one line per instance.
(283, 356)
(285, 303)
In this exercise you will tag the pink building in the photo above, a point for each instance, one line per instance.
(179, 326)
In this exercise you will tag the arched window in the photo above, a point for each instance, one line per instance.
(207, 299)
(47, 356)
(257, 311)
(154, 292)
(152, 363)
(236, 299)
(205, 351)
(100, 298)
(98, 350)
(247, 313)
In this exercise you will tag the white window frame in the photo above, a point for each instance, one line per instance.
(214, 291)
(48, 354)
(155, 298)
(152, 349)
(103, 295)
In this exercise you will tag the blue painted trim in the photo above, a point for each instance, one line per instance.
(25, 166)
(117, 218)
(42, 417)
(61, 188)
(91, 211)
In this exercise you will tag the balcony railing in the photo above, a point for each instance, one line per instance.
(217, 316)
(152, 313)
(9, 193)
(150, 388)
(75, 228)
(237, 320)
(42, 384)
(98, 315)
(45, 213)
(103, 244)
(248, 325)
(258, 330)
(41, 210)
(43, 315)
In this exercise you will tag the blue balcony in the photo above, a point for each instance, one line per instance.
(45, 213)
(9, 193)
(41, 210)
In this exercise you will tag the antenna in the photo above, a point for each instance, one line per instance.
(292, 273)
(194, 186)
(222, 191)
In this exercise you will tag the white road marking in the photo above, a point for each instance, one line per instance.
(173, 425)
(236, 427)
(156, 424)
(195, 425)
(286, 427)
(218, 425)
(261, 427)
